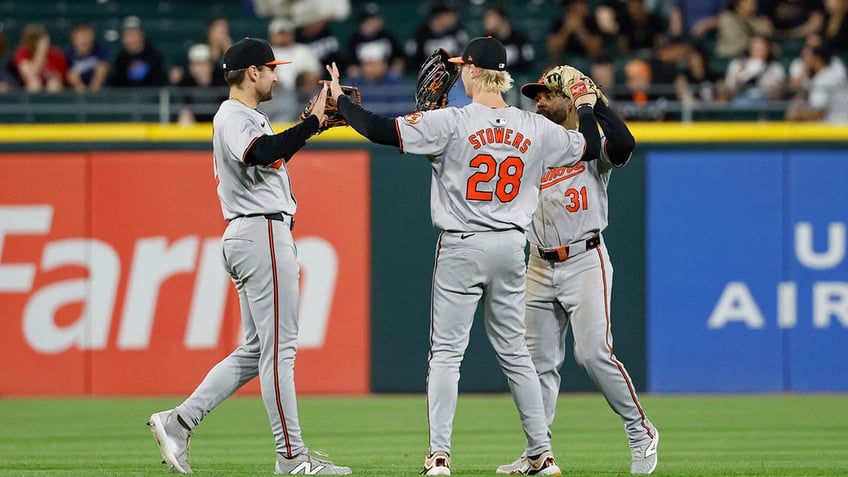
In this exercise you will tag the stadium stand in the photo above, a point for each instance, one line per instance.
(174, 25)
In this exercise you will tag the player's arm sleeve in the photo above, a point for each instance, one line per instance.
(588, 126)
(269, 149)
(620, 141)
(376, 128)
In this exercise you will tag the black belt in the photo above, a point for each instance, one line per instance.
(564, 252)
(509, 229)
(279, 216)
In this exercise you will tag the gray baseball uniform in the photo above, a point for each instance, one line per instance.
(485, 168)
(260, 256)
(569, 283)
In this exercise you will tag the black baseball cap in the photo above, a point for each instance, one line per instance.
(530, 90)
(250, 52)
(484, 52)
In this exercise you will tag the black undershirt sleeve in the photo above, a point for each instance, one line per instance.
(589, 127)
(376, 128)
(269, 149)
(620, 141)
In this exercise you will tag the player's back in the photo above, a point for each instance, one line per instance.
(487, 162)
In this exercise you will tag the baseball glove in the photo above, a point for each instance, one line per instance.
(570, 82)
(435, 79)
(331, 108)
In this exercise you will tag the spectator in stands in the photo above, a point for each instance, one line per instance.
(88, 60)
(382, 89)
(836, 25)
(639, 31)
(371, 33)
(41, 66)
(676, 63)
(694, 19)
(328, 10)
(826, 96)
(441, 30)
(519, 52)
(736, 26)
(639, 99)
(138, 63)
(793, 18)
(302, 75)
(313, 31)
(203, 89)
(8, 80)
(281, 36)
(756, 78)
(219, 40)
(798, 73)
(574, 36)
(602, 72)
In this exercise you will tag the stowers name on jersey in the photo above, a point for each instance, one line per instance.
(558, 174)
(499, 135)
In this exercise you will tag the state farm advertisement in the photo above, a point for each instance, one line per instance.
(112, 282)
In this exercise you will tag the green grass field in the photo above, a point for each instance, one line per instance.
(387, 436)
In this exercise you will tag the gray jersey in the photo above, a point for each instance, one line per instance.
(573, 203)
(479, 155)
(247, 190)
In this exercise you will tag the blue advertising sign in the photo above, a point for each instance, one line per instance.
(747, 274)
(816, 317)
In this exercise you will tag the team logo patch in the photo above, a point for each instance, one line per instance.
(413, 118)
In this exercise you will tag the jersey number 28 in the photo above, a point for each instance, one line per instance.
(508, 172)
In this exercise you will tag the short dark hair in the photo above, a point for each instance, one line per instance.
(234, 77)
(825, 52)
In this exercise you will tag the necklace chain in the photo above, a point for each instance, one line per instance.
(240, 101)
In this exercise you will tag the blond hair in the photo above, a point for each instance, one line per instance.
(492, 81)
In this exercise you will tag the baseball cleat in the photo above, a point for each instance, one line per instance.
(308, 463)
(543, 464)
(519, 467)
(437, 463)
(644, 455)
(172, 439)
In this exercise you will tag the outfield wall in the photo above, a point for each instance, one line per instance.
(110, 281)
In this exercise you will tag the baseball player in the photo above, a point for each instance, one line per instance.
(259, 254)
(487, 158)
(569, 278)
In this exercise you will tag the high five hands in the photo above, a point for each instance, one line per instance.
(335, 87)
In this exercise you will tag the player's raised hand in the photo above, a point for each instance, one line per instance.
(335, 87)
(320, 104)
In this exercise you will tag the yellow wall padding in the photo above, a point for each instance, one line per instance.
(644, 132)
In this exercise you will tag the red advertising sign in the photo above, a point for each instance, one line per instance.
(111, 281)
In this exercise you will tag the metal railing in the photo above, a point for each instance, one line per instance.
(163, 105)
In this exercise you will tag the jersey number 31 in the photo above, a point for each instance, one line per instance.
(508, 172)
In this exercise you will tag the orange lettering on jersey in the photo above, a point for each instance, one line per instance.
(558, 174)
(499, 135)
(516, 141)
(481, 136)
(276, 164)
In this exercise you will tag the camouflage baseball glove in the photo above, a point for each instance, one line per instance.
(570, 82)
(331, 108)
(435, 79)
